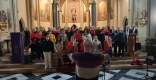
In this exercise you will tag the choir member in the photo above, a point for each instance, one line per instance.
(87, 34)
(69, 33)
(26, 39)
(48, 48)
(33, 37)
(118, 30)
(115, 42)
(78, 38)
(58, 47)
(39, 40)
(52, 36)
(64, 38)
(127, 32)
(122, 41)
(93, 31)
(97, 47)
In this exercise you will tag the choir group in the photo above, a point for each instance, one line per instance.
(56, 40)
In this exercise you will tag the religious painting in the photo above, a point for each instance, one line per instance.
(63, 13)
(73, 11)
(45, 10)
(34, 10)
(112, 10)
(102, 11)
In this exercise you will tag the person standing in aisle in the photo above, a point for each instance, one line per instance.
(48, 48)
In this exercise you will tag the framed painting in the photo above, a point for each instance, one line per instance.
(44, 6)
(102, 10)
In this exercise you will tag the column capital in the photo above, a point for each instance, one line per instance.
(92, 2)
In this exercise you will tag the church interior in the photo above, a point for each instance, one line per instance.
(139, 60)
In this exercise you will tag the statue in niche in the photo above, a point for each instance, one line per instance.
(3, 14)
(73, 11)
(143, 14)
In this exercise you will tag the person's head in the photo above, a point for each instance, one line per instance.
(63, 31)
(34, 29)
(88, 45)
(99, 28)
(118, 28)
(50, 32)
(112, 27)
(133, 26)
(108, 27)
(25, 29)
(86, 31)
(41, 28)
(95, 38)
(121, 30)
(77, 31)
(58, 38)
(127, 27)
(40, 32)
(49, 28)
(47, 37)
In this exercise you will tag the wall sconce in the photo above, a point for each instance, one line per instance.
(3, 26)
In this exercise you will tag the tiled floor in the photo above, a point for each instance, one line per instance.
(133, 74)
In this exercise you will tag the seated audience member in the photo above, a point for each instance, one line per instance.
(48, 48)
(39, 40)
(97, 47)
(58, 47)
(87, 63)
(33, 37)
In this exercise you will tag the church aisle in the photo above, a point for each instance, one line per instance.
(132, 74)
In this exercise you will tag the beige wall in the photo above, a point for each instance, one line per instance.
(22, 11)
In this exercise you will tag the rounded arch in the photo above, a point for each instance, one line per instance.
(21, 24)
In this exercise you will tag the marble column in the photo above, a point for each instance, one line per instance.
(93, 7)
(88, 17)
(55, 12)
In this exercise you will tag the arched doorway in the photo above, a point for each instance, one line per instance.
(21, 25)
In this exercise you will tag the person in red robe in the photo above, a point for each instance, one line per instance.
(33, 36)
(78, 38)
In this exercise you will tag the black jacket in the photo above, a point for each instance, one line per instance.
(47, 46)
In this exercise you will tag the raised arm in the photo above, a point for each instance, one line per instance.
(70, 53)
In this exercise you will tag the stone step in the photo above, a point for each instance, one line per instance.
(123, 61)
(125, 58)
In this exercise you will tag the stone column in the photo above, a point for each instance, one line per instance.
(131, 14)
(88, 17)
(59, 18)
(54, 9)
(148, 18)
(93, 7)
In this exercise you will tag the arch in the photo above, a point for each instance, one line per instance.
(125, 22)
(21, 24)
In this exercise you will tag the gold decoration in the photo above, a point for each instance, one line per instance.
(3, 26)
(142, 22)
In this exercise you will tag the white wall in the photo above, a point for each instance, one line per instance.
(142, 4)
(22, 11)
(124, 11)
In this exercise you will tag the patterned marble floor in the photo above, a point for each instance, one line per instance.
(133, 74)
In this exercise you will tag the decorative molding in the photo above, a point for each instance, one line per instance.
(142, 22)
